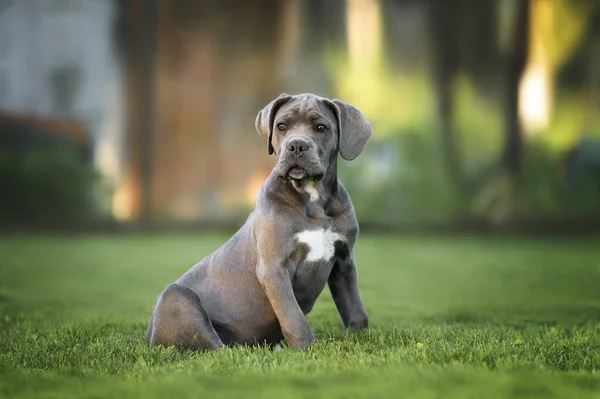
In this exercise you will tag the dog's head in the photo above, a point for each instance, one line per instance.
(306, 132)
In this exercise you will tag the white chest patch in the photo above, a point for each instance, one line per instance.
(320, 243)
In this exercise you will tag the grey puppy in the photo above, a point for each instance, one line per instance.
(257, 288)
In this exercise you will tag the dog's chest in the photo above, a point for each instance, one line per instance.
(320, 243)
(322, 239)
(320, 248)
(324, 232)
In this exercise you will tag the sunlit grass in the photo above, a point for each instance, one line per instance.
(456, 317)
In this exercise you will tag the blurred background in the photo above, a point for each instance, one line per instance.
(141, 112)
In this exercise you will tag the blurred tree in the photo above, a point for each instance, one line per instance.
(139, 50)
(477, 29)
(556, 31)
(593, 83)
(463, 37)
(445, 53)
(515, 60)
(495, 200)
(581, 70)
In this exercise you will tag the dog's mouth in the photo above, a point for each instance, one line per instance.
(292, 170)
(297, 173)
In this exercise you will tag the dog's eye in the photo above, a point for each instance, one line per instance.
(321, 128)
(281, 127)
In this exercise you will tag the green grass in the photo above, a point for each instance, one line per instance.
(450, 317)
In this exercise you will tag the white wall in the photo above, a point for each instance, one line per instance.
(37, 38)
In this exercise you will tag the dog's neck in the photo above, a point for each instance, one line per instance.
(317, 191)
(309, 187)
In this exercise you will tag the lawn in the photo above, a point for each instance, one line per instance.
(450, 317)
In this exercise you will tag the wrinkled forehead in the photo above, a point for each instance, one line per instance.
(306, 109)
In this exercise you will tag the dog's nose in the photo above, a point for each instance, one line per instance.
(297, 147)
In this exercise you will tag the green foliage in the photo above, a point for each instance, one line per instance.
(400, 106)
(379, 91)
(544, 190)
(398, 180)
(450, 317)
(47, 186)
(417, 191)
(562, 26)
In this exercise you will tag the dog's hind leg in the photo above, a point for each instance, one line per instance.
(180, 320)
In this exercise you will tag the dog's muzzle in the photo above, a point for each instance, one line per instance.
(299, 161)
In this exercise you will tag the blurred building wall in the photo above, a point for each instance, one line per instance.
(57, 61)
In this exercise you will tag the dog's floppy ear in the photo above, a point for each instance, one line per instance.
(354, 130)
(265, 118)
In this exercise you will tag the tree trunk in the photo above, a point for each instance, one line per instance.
(592, 88)
(142, 17)
(516, 60)
(445, 54)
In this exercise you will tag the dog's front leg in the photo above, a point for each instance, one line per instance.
(277, 284)
(343, 284)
